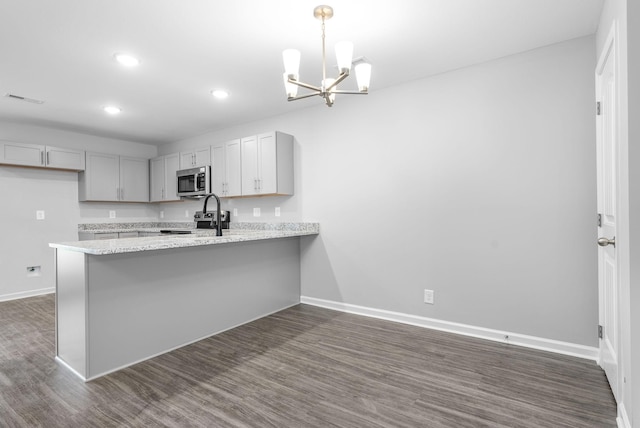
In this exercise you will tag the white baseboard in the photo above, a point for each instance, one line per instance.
(623, 419)
(565, 348)
(23, 294)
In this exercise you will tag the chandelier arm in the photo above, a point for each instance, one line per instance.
(299, 97)
(340, 78)
(305, 85)
(349, 92)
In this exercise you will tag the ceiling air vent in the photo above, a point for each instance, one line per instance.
(19, 98)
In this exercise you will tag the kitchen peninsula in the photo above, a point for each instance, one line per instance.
(122, 301)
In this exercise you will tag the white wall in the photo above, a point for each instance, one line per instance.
(478, 184)
(24, 239)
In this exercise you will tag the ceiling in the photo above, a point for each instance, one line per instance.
(62, 51)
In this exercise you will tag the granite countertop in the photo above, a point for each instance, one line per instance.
(249, 232)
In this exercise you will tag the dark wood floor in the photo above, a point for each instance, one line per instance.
(302, 367)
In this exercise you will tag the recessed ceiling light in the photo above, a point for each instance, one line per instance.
(112, 109)
(220, 93)
(126, 60)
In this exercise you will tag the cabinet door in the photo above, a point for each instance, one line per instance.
(21, 154)
(171, 166)
(134, 179)
(197, 157)
(202, 156)
(101, 179)
(187, 160)
(249, 159)
(157, 179)
(267, 163)
(218, 170)
(233, 169)
(57, 157)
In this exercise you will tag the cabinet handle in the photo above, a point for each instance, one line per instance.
(41, 158)
(47, 163)
(122, 193)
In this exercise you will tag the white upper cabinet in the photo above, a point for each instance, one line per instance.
(57, 157)
(267, 164)
(114, 178)
(37, 155)
(164, 183)
(197, 157)
(226, 172)
(134, 179)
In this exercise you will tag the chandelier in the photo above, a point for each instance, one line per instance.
(328, 86)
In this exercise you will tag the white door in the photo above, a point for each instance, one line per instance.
(607, 157)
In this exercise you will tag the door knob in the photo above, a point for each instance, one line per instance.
(603, 242)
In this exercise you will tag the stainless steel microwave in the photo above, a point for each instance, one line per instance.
(194, 182)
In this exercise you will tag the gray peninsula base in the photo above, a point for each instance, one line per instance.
(115, 310)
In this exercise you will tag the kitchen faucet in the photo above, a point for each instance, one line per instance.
(218, 212)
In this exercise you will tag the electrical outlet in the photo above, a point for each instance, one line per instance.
(161, 214)
(235, 212)
(277, 211)
(112, 214)
(39, 215)
(186, 213)
(428, 296)
(256, 212)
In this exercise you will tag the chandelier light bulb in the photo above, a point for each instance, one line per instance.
(363, 76)
(291, 58)
(290, 88)
(344, 56)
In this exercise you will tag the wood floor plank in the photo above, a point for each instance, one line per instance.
(302, 367)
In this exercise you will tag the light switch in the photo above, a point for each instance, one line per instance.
(277, 211)
(39, 215)
(112, 214)
(256, 212)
